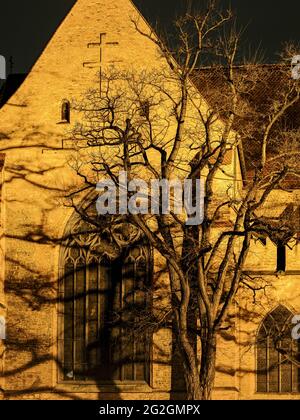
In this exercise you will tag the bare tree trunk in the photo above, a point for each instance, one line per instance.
(199, 385)
(192, 381)
(208, 364)
(190, 366)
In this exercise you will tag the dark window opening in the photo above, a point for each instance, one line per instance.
(65, 111)
(281, 258)
(145, 109)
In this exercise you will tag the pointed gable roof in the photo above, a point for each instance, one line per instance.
(70, 62)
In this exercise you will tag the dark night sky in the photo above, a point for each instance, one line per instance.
(27, 25)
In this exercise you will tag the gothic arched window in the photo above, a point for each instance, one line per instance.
(105, 289)
(277, 354)
(65, 111)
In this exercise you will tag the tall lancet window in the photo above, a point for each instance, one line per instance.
(104, 292)
(277, 354)
(65, 111)
(281, 258)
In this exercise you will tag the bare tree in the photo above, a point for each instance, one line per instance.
(155, 124)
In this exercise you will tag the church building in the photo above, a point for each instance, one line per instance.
(59, 347)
